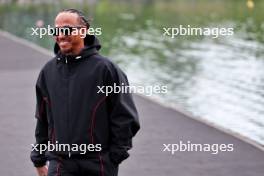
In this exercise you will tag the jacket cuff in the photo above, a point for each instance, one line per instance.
(118, 155)
(38, 160)
(39, 164)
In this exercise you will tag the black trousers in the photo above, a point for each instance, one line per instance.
(100, 165)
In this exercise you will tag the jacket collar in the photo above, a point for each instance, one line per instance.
(92, 46)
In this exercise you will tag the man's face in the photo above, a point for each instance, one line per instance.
(69, 44)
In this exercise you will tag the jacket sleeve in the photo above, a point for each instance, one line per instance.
(41, 131)
(124, 121)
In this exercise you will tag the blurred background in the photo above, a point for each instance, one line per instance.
(218, 80)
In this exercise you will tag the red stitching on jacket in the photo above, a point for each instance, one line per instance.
(91, 132)
(58, 169)
(47, 101)
(53, 136)
(41, 109)
(93, 118)
(101, 165)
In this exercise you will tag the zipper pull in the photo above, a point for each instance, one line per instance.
(66, 60)
(69, 154)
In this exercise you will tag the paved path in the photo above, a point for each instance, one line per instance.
(19, 66)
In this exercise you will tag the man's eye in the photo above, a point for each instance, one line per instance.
(65, 30)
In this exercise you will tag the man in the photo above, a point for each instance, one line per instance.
(72, 111)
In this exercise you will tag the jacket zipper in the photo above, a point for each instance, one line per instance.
(68, 115)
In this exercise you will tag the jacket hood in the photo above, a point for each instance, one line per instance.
(91, 46)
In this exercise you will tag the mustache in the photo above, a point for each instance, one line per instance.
(63, 41)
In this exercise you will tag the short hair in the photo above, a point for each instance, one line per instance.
(80, 14)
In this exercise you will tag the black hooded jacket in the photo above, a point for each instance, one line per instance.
(71, 109)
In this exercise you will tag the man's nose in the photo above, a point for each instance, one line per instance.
(60, 36)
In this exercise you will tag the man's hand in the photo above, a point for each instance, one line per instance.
(42, 171)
